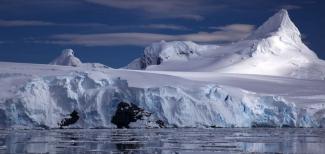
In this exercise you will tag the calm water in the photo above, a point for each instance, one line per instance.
(231, 140)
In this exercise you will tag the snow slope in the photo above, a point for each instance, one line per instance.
(275, 48)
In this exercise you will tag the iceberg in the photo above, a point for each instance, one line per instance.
(269, 79)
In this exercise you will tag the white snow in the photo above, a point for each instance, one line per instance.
(269, 79)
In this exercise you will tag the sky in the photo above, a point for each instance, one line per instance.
(114, 32)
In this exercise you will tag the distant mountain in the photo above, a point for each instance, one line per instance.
(67, 58)
(274, 49)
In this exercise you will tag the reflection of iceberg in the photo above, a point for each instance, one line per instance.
(29, 142)
(282, 141)
(264, 147)
(128, 145)
(73, 141)
(230, 140)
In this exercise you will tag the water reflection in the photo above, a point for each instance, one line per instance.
(231, 140)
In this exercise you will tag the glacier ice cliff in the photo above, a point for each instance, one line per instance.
(44, 101)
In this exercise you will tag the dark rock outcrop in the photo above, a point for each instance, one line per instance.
(74, 117)
(161, 123)
(127, 113)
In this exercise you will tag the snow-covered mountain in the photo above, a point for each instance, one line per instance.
(67, 58)
(245, 84)
(275, 49)
(164, 52)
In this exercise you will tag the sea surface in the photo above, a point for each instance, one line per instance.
(178, 140)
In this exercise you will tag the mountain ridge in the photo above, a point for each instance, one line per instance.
(275, 48)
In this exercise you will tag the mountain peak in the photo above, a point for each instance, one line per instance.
(67, 58)
(279, 24)
(67, 52)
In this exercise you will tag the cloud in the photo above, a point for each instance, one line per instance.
(28, 23)
(152, 6)
(148, 26)
(25, 23)
(189, 17)
(17, 23)
(235, 27)
(228, 33)
(185, 9)
(290, 7)
(164, 26)
(193, 9)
